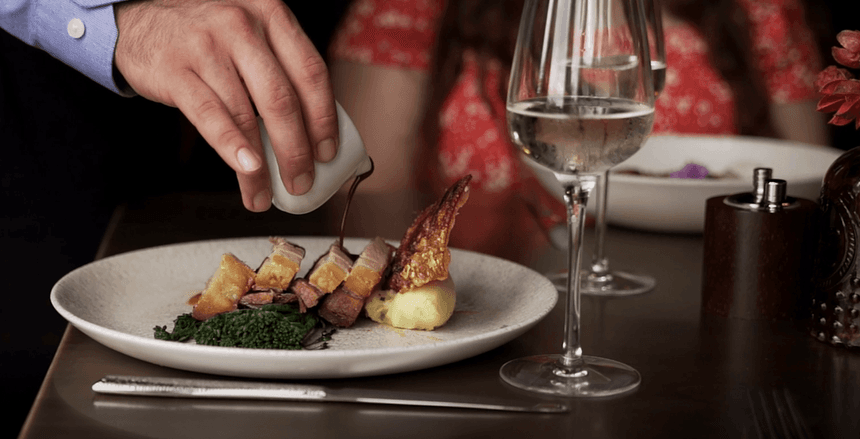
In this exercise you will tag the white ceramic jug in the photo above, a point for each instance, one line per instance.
(351, 160)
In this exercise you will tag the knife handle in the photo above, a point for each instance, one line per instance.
(202, 388)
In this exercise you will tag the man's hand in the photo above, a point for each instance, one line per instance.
(218, 60)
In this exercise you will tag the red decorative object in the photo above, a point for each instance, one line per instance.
(840, 91)
(849, 54)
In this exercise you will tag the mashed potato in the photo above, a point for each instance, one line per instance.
(427, 307)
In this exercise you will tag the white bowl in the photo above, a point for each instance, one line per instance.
(677, 205)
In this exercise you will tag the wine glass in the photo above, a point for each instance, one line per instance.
(599, 279)
(654, 24)
(580, 100)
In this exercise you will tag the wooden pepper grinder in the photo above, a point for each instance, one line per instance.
(758, 252)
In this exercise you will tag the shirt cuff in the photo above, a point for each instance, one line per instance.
(82, 34)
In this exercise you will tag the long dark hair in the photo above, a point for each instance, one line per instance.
(487, 27)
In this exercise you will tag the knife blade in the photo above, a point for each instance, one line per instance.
(234, 389)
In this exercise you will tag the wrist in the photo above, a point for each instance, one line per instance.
(125, 13)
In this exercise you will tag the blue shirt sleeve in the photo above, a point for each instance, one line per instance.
(80, 33)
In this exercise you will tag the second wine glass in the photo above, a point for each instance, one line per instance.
(599, 279)
(580, 100)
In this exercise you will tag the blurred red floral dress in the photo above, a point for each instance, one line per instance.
(506, 198)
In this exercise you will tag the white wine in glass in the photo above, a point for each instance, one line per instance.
(571, 114)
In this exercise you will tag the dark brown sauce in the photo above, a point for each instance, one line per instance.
(194, 299)
(358, 179)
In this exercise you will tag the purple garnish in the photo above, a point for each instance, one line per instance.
(691, 170)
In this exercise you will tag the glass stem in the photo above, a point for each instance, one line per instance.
(576, 198)
(599, 262)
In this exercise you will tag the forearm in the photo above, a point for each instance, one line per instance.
(386, 106)
(80, 33)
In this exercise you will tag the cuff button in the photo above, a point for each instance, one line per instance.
(76, 28)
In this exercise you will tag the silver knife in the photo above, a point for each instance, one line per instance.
(206, 388)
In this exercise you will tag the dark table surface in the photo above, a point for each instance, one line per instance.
(698, 370)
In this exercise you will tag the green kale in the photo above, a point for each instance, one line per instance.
(270, 327)
(184, 328)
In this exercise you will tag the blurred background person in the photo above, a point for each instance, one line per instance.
(425, 82)
(740, 67)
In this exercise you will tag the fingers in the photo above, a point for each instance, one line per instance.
(221, 76)
(309, 75)
(279, 105)
(207, 110)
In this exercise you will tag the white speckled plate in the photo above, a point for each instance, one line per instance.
(118, 300)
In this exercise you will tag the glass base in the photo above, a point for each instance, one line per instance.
(614, 284)
(594, 377)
